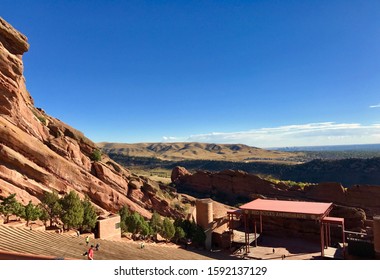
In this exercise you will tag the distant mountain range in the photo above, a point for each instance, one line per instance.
(198, 151)
(349, 165)
(332, 148)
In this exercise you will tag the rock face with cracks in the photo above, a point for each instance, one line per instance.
(40, 153)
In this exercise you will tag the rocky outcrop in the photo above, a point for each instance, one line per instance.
(354, 204)
(325, 192)
(233, 183)
(40, 153)
(177, 173)
(15, 42)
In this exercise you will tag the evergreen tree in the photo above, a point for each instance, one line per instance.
(44, 217)
(155, 223)
(199, 235)
(31, 212)
(168, 229)
(51, 205)
(124, 213)
(179, 233)
(72, 210)
(133, 222)
(89, 215)
(19, 210)
(145, 228)
(192, 231)
(9, 206)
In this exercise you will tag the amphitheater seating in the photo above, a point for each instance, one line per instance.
(64, 246)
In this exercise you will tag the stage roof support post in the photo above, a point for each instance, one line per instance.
(245, 233)
(255, 234)
(229, 229)
(261, 223)
(322, 239)
(344, 241)
(248, 236)
(329, 235)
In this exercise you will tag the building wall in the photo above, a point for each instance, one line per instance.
(109, 228)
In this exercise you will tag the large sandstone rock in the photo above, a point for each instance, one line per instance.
(233, 183)
(365, 197)
(40, 153)
(177, 173)
(353, 217)
(13, 40)
(326, 192)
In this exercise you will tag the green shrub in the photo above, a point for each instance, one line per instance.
(40, 117)
(96, 155)
(168, 229)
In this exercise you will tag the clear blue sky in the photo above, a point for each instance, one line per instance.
(262, 73)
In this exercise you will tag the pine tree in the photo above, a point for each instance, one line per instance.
(145, 228)
(124, 213)
(89, 215)
(31, 212)
(72, 210)
(50, 203)
(199, 235)
(155, 223)
(44, 217)
(133, 222)
(179, 233)
(9, 206)
(168, 229)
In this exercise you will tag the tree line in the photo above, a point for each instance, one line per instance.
(176, 231)
(78, 214)
(70, 210)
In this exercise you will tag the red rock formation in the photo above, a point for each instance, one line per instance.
(178, 172)
(40, 153)
(326, 192)
(231, 182)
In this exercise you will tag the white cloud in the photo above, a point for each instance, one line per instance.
(172, 139)
(375, 106)
(313, 134)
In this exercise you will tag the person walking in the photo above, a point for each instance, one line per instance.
(87, 240)
(90, 253)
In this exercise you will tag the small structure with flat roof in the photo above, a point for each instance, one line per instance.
(318, 211)
(108, 227)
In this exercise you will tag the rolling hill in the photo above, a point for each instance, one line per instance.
(198, 151)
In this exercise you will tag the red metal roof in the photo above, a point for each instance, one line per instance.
(301, 207)
(333, 220)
